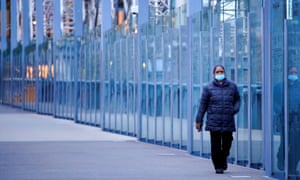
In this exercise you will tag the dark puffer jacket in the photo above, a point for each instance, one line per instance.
(221, 102)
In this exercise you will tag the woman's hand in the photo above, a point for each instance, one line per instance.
(198, 126)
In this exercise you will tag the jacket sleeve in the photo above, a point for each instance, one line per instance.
(237, 100)
(203, 105)
(278, 105)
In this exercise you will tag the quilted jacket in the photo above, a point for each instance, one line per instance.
(221, 102)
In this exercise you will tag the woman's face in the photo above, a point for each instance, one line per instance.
(219, 70)
(293, 71)
(293, 74)
(219, 73)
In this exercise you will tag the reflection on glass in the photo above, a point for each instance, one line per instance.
(293, 120)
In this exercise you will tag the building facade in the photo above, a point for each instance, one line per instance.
(138, 68)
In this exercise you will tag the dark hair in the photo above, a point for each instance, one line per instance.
(218, 66)
(291, 66)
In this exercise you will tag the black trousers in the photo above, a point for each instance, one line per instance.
(220, 147)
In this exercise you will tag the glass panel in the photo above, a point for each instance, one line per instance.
(70, 103)
(256, 86)
(16, 91)
(29, 85)
(242, 79)
(151, 88)
(167, 89)
(81, 97)
(151, 102)
(176, 118)
(167, 114)
(118, 79)
(108, 82)
(293, 96)
(88, 92)
(71, 81)
(132, 84)
(195, 58)
(45, 78)
(93, 67)
(229, 61)
(277, 60)
(123, 85)
(88, 83)
(50, 86)
(113, 112)
(229, 45)
(112, 64)
(184, 73)
(160, 64)
(58, 76)
(144, 83)
(206, 72)
(216, 36)
(64, 60)
(98, 87)
(175, 89)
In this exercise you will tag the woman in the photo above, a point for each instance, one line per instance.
(221, 101)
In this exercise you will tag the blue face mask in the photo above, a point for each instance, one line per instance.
(293, 77)
(220, 77)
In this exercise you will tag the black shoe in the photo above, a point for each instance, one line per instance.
(219, 171)
(225, 166)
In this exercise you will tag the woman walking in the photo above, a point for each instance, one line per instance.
(221, 101)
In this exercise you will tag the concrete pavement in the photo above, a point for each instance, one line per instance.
(34, 146)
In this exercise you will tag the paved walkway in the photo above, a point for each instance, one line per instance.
(38, 147)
